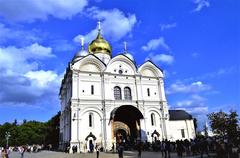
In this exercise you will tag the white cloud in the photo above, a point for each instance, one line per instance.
(194, 87)
(195, 100)
(30, 10)
(11, 57)
(42, 78)
(114, 23)
(22, 83)
(201, 4)
(167, 26)
(194, 105)
(37, 51)
(160, 58)
(155, 43)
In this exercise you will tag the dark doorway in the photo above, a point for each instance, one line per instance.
(126, 124)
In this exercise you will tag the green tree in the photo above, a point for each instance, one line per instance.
(31, 132)
(225, 125)
(53, 126)
(232, 125)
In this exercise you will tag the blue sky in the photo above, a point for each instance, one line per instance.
(195, 42)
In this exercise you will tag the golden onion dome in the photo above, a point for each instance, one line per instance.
(99, 45)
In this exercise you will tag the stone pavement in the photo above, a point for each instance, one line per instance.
(127, 154)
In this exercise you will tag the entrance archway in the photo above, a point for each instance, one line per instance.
(126, 124)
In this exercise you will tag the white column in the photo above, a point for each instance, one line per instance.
(143, 130)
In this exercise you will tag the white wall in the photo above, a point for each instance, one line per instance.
(175, 127)
(104, 79)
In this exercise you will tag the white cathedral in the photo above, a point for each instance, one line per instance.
(106, 99)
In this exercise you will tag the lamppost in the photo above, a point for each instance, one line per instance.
(7, 136)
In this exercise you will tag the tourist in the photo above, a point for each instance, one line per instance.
(73, 149)
(139, 148)
(179, 148)
(168, 149)
(113, 147)
(97, 150)
(5, 153)
(91, 146)
(120, 150)
(163, 148)
(21, 151)
(85, 147)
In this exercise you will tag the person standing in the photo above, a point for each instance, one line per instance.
(91, 147)
(3, 153)
(21, 150)
(139, 148)
(120, 150)
(97, 150)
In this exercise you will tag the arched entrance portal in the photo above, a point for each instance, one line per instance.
(126, 124)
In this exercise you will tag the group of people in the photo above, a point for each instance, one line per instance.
(210, 146)
(5, 152)
(222, 148)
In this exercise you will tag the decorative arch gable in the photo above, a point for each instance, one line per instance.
(91, 110)
(89, 63)
(121, 64)
(150, 70)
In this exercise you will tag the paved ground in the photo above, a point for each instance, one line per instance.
(50, 154)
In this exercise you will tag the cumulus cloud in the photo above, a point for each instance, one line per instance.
(121, 24)
(201, 4)
(195, 100)
(22, 83)
(25, 10)
(160, 58)
(155, 43)
(41, 78)
(195, 105)
(167, 26)
(193, 87)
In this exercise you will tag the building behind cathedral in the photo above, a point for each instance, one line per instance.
(106, 100)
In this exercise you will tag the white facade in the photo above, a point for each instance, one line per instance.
(92, 112)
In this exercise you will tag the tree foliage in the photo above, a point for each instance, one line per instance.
(31, 132)
(224, 124)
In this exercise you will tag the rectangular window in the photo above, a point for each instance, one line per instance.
(92, 89)
(90, 120)
(148, 92)
(182, 132)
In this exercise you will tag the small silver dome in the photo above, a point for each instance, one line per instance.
(129, 56)
(80, 54)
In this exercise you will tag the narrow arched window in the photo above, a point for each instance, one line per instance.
(153, 120)
(148, 92)
(92, 89)
(127, 93)
(90, 120)
(117, 93)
